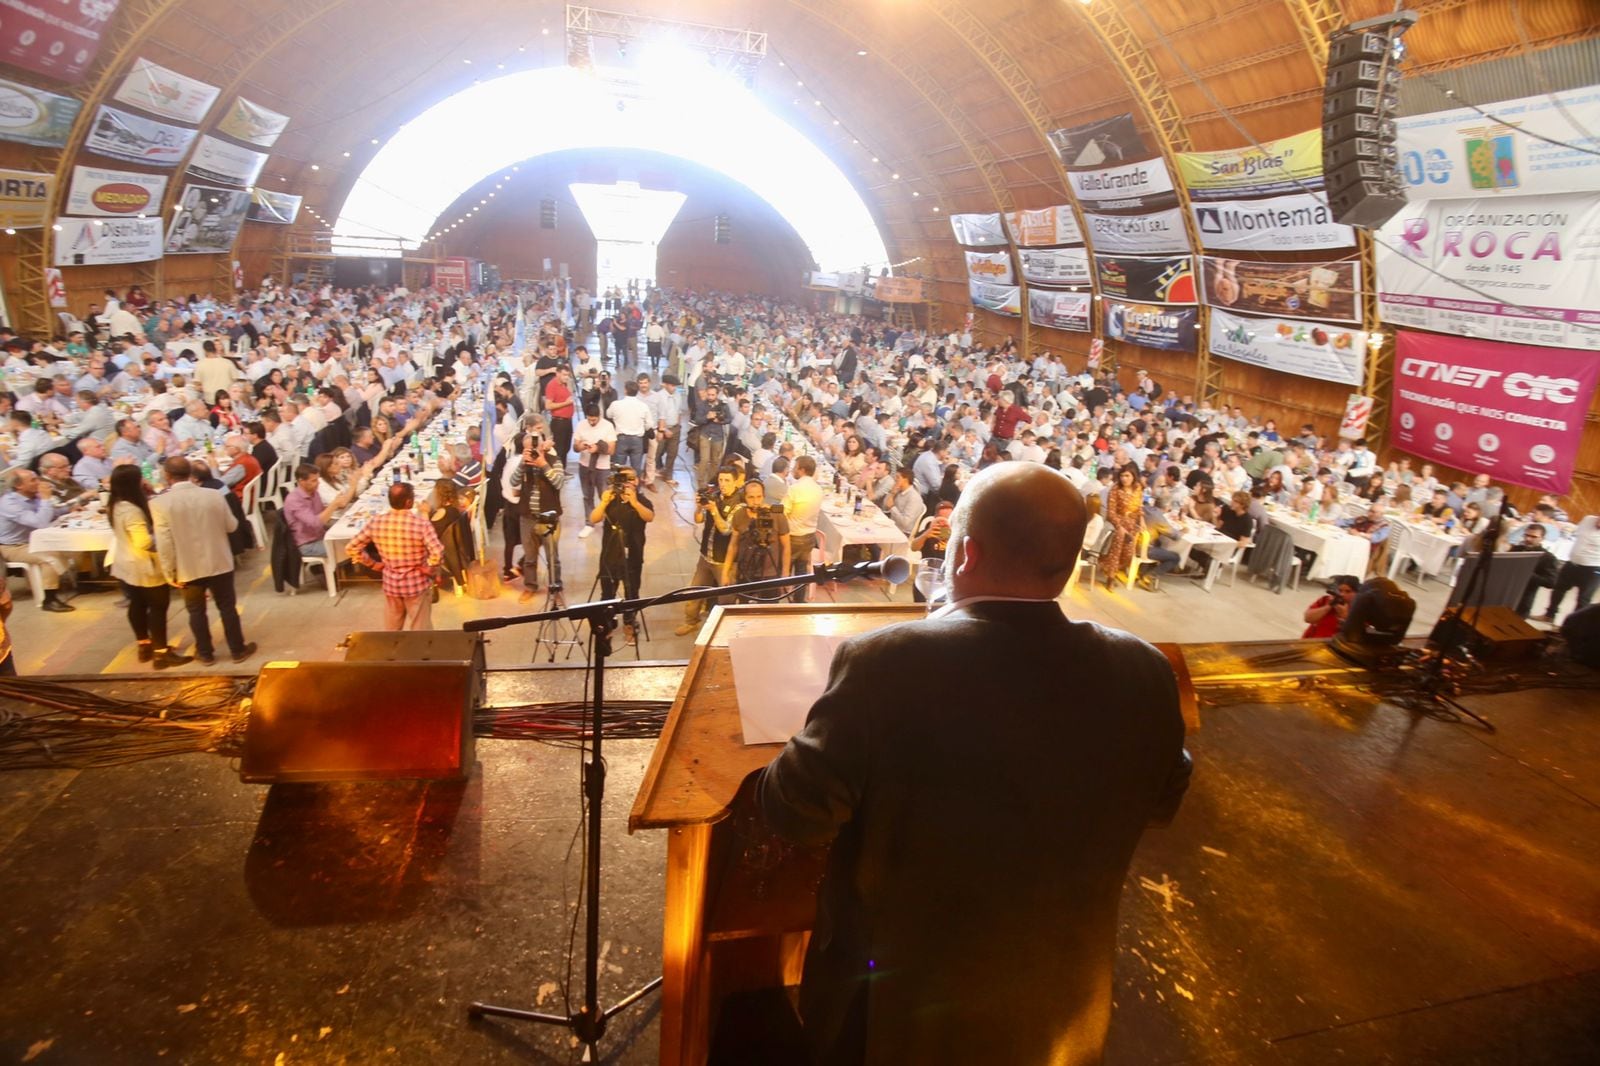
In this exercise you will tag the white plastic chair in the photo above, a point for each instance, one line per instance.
(250, 501)
(35, 575)
(327, 567)
(1230, 562)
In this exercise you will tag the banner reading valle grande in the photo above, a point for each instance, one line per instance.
(1512, 411)
(1145, 185)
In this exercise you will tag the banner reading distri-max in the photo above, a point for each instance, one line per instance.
(1512, 411)
(99, 242)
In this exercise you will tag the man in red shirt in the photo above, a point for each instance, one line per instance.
(1006, 417)
(559, 406)
(242, 468)
(408, 550)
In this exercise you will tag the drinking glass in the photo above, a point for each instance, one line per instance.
(930, 581)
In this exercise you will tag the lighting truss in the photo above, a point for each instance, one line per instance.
(738, 51)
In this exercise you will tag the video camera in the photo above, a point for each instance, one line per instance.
(708, 495)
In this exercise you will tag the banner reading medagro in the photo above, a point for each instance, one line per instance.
(1001, 299)
(1326, 291)
(1167, 281)
(252, 123)
(124, 135)
(978, 231)
(114, 192)
(1538, 144)
(1144, 185)
(1054, 266)
(1307, 349)
(1515, 268)
(208, 220)
(1059, 310)
(1290, 164)
(268, 206)
(1044, 227)
(106, 241)
(993, 267)
(1097, 144)
(1151, 325)
(1511, 411)
(34, 116)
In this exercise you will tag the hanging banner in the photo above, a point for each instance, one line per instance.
(114, 192)
(216, 160)
(207, 221)
(278, 207)
(108, 241)
(1514, 268)
(993, 267)
(252, 123)
(979, 231)
(1160, 232)
(1097, 144)
(1151, 325)
(136, 139)
(1281, 224)
(898, 290)
(1001, 299)
(452, 275)
(1289, 164)
(1165, 281)
(1060, 310)
(1463, 152)
(825, 281)
(1054, 266)
(166, 93)
(1511, 411)
(34, 116)
(1357, 413)
(1145, 185)
(1306, 349)
(1325, 291)
(1042, 228)
(55, 287)
(58, 40)
(25, 198)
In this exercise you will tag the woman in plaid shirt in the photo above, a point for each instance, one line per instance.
(408, 551)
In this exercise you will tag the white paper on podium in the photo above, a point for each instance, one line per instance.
(777, 679)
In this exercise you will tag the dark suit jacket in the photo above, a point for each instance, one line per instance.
(984, 778)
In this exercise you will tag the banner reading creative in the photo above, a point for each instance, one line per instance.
(25, 198)
(136, 139)
(114, 192)
(978, 231)
(1144, 185)
(992, 267)
(898, 290)
(153, 88)
(207, 220)
(1325, 291)
(278, 207)
(1513, 268)
(1512, 411)
(1166, 281)
(1054, 266)
(1289, 164)
(1464, 152)
(1307, 349)
(1151, 325)
(1296, 222)
(34, 116)
(1098, 144)
(1059, 310)
(252, 123)
(1043, 228)
(107, 241)
(1159, 232)
(59, 40)
(1001, 299)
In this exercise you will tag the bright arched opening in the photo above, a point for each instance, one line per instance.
(708, 119)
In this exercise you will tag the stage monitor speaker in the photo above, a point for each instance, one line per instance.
(1487, 632)
(420, 646)
(360, 721)
(1360, 97)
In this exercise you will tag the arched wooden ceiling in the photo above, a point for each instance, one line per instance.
(951, 95)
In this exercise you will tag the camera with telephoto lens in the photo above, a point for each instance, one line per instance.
(619, 481)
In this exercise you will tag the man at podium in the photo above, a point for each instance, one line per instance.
(984, 776)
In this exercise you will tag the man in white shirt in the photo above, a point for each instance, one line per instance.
(631, 417)
(655, 336)
(594, 439)
(801, 504)
(194, 429)
(1581, 572)
(671, 404)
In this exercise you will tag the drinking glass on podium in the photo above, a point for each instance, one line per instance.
(929, 581)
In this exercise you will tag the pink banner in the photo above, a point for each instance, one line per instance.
(58, 40)
(1512, 411)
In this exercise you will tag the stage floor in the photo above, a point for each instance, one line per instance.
(1345, 882)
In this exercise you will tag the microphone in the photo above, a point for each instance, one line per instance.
(894, 568)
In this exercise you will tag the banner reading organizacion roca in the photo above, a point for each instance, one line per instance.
(1512, 411)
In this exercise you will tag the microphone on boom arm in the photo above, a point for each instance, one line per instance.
(895, 569)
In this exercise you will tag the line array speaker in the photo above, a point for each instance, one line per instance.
(1360, 97)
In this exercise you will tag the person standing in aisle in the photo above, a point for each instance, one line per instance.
(192, 526)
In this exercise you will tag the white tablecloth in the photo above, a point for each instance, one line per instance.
(1423, 542)
(1337, 552)
(840, 527)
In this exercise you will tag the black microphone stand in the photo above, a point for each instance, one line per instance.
(588, 1023)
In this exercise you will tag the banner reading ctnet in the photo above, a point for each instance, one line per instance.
(1512, 411)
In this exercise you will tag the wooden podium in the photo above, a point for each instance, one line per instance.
(739, 904)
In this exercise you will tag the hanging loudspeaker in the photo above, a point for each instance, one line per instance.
(1360, 98)
(547, 214)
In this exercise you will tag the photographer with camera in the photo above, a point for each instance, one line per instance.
(760, 545)
(713, 509)
(625, 515)
(531, 486)
(594, 440)
(710, 418)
